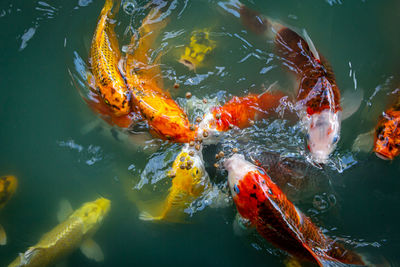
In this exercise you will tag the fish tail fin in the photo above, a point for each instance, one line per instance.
(3, 236)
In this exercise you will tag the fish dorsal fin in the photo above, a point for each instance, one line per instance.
(364, 142)
(351, 102)
(3, 236)
(64, 211)
(92, 250)
(241, 226)
(311, 45)
(25, 258)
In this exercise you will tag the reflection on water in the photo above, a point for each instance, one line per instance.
(59, 148)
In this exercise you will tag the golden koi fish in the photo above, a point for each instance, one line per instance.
(164, 116)
(73, 232)
(200, 46)
(189, 181)
(108, 79)
(8, 186)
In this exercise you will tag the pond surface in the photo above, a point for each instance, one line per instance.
(60, 149)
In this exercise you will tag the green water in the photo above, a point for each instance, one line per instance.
(52, 142)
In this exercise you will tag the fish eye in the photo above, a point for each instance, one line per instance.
(236, 189)
(307, 136)
(335, 139)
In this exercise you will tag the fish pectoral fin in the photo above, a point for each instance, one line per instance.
(26, 257)
(241, 226)
(92, 250)
(351, 102)
(3, 236)
(65, 209)
(364, 142)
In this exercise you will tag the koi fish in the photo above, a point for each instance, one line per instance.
(112, 96)
(200, 46)
(189, 181)
(265, 206)
(239, 112)
(164, 116)
(295, 177)
(387, 133)
(76, 230)
(318, 96)
(8, 186)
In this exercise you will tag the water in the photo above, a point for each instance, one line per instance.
(53, 144)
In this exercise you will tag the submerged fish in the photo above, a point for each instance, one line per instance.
(318, 95)
(8, 186)
(108, 77)
(165, 117)
(297, 178)
(263, 204)
(239, 112)
(387, 133)
(200, 46)
(75, 231)
(189, 181)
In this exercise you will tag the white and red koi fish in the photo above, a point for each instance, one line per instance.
(318, 96)
(265, 206)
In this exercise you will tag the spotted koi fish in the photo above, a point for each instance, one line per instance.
(239, 112)
(265, 206)
(189, 181)
(387, 133)
(8, 186)
(200, 46)
(318, 96)
(165, 117)
(112, 96)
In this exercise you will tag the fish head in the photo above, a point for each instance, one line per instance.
(387, 135)
(323, 133)
(93, 213)
(188, 171)
(8, 186)
(249, 185)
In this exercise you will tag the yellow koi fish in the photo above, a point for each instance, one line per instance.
(74, 231)
(112, 98)
(189, 181)
(200, 46)
(8, 186)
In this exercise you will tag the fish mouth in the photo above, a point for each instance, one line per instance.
(382, 156)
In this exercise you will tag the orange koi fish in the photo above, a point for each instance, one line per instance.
(387, 133)
(318, 95)
(263, 204)
(165, 117)
(239, 112)
(112, 96)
